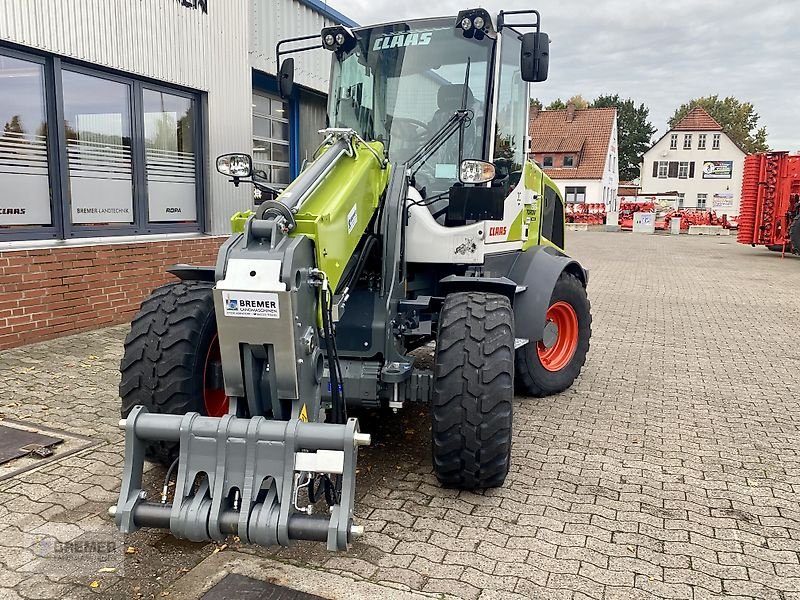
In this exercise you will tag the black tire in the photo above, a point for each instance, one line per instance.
(532, 378)
(473, 390)
(164, 362)
(776, 247)
(794, 235)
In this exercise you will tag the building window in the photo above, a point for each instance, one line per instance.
(680, 201)
(24, 174)
(271, 138)
(701, 141)
(128, 153)
(663, 169)
(683, 170)
(170, 159)
(575, 194)
(687, 141)
(547, 161)
(673, 141)
(701, 201)
(569, 161)
(97, 128)
(715, 142)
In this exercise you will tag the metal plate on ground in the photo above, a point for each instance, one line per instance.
(15, 443)
(26, 446)
(247, 588)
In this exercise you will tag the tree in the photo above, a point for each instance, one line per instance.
(739, 120)
(14, 126)
(634, 132)
(579, 101)
(536, 103)
(557, 104)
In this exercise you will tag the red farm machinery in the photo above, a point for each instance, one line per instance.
(769, 213)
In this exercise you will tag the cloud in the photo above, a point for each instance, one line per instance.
(659, 53)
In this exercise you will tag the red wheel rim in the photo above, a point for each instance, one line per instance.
(559, 355)
(214, 399)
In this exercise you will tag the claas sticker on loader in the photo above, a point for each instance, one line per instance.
(254, 305)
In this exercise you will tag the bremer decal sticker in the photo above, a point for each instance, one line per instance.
(402, 40)
(258, 305)
(352, 218)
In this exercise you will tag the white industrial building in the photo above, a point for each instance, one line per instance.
(697, 160)
(112, 114)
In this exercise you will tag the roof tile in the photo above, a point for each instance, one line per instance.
(589, 131)
(697, 119)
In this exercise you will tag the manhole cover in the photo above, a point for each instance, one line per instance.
(247, 588)
(15, 443)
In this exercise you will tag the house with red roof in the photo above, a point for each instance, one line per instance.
(577, 148)
(698, 159)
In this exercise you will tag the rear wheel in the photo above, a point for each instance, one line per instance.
(473, 391)
(171, 362)
(552, 364)
(794, 235)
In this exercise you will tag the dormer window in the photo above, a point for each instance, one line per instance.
(547, 161)
(569, 161)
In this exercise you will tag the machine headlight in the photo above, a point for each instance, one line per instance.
(340, 39)
(235, 165)
(479, 22)
(328, 40)
(466, 23)
(476, 171)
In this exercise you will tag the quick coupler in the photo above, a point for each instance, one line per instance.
(242, 477)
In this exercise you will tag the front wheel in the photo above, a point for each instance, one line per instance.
(171, 362)
(552, 364)
(473, 390)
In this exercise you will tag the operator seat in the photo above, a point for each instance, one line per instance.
(448, 99)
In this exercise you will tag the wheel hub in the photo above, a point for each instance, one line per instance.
(560, 337)
(550, 336)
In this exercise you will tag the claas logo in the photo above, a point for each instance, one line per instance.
(495, 231)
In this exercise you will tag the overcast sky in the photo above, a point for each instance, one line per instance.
(662, 53)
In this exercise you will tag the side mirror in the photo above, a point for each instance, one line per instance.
(534, 58)
(235, 165)
(286, 78)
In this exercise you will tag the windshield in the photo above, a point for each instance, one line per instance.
(402, 82)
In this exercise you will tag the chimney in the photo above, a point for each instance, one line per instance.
(570, 112)
(534, 111)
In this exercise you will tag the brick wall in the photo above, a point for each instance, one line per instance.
(50, 292)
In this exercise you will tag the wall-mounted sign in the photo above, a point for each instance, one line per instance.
(717, 169)
(722, 201)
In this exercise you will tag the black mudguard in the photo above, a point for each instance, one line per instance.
(537, 270)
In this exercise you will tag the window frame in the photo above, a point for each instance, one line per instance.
(273, 140)
(716, 141)
(704, 198)
(573, 191)
(701, 141)
(687, 141)
(545, 161)
(683, 169)
(673, 141)
(61, 227)
(571, 159)
(665, 165)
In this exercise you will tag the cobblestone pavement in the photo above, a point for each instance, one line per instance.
(670, 470)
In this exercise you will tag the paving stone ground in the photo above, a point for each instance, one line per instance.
(670, 470)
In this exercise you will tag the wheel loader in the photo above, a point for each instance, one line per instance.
(419, 222)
